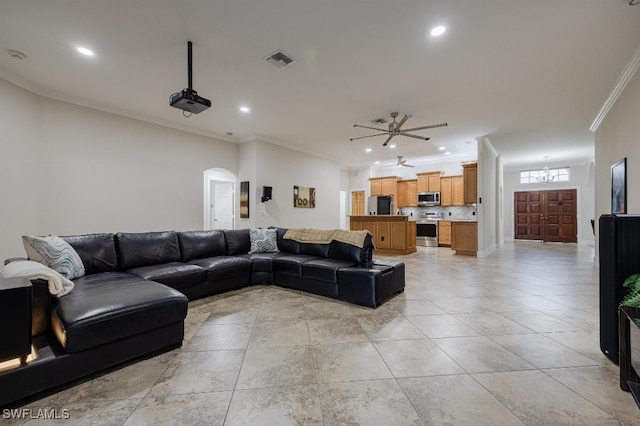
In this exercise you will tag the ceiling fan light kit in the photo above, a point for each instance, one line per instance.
(395, 129)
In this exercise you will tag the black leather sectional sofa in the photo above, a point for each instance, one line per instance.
(132, 302)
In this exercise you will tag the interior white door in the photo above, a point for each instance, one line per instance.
(222, 205)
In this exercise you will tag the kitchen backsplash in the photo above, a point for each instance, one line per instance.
(448, 213)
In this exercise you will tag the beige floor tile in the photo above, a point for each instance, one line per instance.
(274, 334)
(348, 362)
(479, 354)
(542, 352)
(375, 402)
(601, 386)
(456, 400)
(416, 358)
(281, 366)
(294, 405)
(541, 322)
(537, 399)
(492, 323)
(220, 337)
(190, 409)
(205, 371)
(107, 413)
(393, 327)
(336, 330)
(436, 326)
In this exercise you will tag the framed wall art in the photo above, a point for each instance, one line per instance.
(244, 200)
(619, 187)
(304, 197)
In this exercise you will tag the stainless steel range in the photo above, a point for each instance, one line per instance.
(427, 229)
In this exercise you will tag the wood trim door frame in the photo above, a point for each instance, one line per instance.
(511, 214)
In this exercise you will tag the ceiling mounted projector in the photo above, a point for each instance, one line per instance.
(188, 100)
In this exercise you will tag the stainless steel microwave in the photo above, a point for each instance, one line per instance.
(429, 198)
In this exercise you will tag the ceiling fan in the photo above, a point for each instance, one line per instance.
(394, 129)
(402, 162)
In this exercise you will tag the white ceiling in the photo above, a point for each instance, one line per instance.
(530, 75)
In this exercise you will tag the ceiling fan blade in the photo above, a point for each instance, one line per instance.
(370, 136)
(415, 136)
(405, 118)
(372, 128)
(426, 127)
(407, 165)
(387, 141)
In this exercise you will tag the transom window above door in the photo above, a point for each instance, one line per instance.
(545, 175)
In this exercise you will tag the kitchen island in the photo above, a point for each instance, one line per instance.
(391, 234)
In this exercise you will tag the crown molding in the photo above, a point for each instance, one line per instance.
(624, 79)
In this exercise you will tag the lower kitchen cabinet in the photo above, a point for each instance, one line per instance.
(464, 238)
(444, 233)
(391, 234)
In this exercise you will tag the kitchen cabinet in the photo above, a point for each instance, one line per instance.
(384, 185)
(464, 238)
(391, 234)
(407, 193)
(428, 181)
(444, 233)
(470, 178)
(451, 191)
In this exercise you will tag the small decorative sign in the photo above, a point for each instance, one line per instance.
(304, 197)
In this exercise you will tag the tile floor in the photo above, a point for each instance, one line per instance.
(511, 339)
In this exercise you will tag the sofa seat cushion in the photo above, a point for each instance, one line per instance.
(291, 264)
(262, 262)
(109, 306)
(174, 274)
(221, 267)
(324, 269)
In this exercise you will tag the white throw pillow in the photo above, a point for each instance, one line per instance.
(55, 253)
(263, 240)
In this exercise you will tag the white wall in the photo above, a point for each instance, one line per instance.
(579, 180)
(487, 189)
(67, 169)
(282, 169)
(617, 137)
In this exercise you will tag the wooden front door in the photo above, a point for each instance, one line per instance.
(357, 203)
(546, 215)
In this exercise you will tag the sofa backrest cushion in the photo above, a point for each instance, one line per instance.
(202, 244)
(314, 249)
(289, 246)
(238, 241)
(97, 251)
(147, 248)
(340, 250)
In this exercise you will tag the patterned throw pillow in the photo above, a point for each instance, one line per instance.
(263, 240)
(55, 253)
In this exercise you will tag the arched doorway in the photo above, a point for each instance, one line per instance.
(219, 199)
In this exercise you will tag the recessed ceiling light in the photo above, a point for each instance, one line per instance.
(244, 109)
(442, 148)
(85, 51)
(393, 145)
(438, 31)
(368, 150)
(377, 162)
(447, 153)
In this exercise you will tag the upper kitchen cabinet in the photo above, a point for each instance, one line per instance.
(429, 181)
(470, 178)
(407, 193)
(387, 185)
(451, 191)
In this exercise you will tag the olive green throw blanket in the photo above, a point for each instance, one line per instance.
(325, 236)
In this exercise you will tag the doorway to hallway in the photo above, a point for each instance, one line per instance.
(219, 199)
(548, 216)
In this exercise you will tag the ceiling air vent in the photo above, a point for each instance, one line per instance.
(279, 59)
(379, 121)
